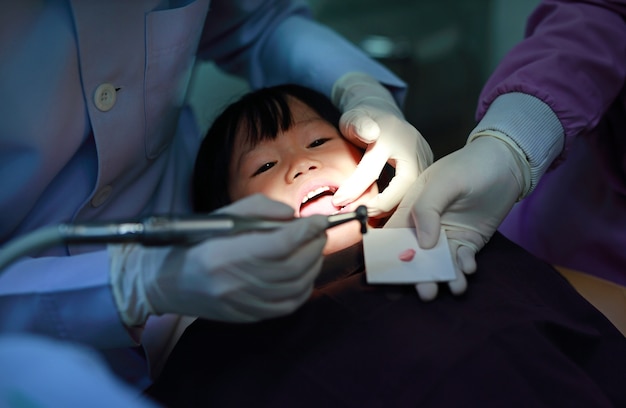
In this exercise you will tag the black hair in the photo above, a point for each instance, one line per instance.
(262, 115)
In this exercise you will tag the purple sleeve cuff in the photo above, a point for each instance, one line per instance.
(531, 124)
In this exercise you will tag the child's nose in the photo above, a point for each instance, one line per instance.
(302, 164)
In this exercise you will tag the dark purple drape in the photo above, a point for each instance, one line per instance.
(520, 337)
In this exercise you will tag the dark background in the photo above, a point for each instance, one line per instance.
(444, 50)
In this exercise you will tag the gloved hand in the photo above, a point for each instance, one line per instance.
(371, 117)
(468, 193)
(241, 278)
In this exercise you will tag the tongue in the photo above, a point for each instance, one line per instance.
(320, 205)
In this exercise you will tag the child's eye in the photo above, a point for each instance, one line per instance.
(319, 142)
(264, 168)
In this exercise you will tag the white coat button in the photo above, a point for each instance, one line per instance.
(101, 196)
(104, 97)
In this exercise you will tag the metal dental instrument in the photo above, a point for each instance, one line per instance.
(360, 214)
(157, 230)
(154, 231)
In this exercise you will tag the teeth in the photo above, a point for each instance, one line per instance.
(316, 192)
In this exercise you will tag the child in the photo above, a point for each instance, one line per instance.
(521, 337)
(285, 143)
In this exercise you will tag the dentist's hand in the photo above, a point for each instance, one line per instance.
(371, 117)
(241, 278)
(468, 193)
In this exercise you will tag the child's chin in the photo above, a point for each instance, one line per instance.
(342, 236)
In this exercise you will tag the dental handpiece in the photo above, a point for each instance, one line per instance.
(153, 231)
(165, 230)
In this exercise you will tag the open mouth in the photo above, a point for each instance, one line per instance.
(319, 201)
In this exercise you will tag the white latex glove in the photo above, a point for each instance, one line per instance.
(468, 193)
(241, 278)
(371, 117)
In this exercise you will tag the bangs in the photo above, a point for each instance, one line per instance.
(263, 116)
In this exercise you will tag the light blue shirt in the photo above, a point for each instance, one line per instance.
(91, 96)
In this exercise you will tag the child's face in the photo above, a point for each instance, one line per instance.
(303, 168)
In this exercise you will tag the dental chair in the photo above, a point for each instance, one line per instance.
(608, 297)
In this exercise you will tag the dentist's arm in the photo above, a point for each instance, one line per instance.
(241, 278)
(530, 110)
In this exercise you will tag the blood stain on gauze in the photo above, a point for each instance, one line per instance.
(407, 255)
